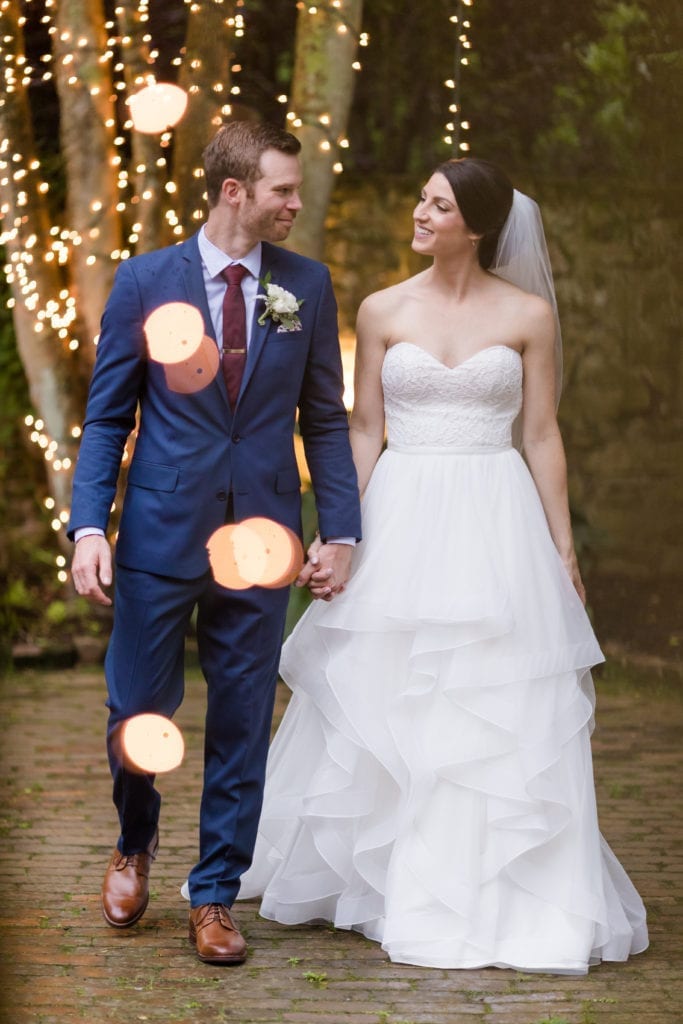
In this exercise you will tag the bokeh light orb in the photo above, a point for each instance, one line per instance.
(150, 743)
(223, 559)
(157, 107)
(195, 373)
(174, 332)
(257, 552)
(275, 551)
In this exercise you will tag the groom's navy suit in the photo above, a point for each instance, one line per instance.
(192, 457)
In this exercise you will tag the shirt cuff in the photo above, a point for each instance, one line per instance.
(87, 531)
(340, 540)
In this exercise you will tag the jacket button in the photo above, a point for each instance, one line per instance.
(222, 496)
(236, 438)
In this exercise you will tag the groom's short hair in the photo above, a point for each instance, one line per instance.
(236, 150)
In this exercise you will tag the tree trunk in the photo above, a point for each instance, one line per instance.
(36, 282)
(322, 90)
(87, 129)
(205, 75)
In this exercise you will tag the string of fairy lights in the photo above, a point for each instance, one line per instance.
(58, 313)
(455, 125)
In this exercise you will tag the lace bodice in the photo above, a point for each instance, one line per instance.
(472, 404)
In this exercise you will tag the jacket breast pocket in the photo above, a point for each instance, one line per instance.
(152, 476)
(286, 351)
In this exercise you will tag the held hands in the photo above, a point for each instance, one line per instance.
(91, 566)
(327, 569)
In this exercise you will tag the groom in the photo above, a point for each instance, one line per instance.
(217, 455)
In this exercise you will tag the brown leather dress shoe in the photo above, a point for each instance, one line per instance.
(125, 889)
(216, 936)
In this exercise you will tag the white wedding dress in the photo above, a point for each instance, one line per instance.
(431, 783)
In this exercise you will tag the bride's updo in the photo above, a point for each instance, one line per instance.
(484, 196)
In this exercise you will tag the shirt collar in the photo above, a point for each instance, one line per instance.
(215, 260)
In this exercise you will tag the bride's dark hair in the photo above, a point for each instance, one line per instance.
(484, 196)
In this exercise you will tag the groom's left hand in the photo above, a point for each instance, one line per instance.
(327, 569)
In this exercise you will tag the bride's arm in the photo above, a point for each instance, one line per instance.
(543, 447)
(367, 418)
(366, 432)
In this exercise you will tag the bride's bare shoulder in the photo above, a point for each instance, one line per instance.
(524, 306)
(385, 300)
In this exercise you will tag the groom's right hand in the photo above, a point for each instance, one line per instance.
(91, 566)
(312, 563)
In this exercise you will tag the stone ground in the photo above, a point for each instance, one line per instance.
(62, 964)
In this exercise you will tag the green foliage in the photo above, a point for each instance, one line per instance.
(522, 56)
(300, 597)
(611, 117)
(18, 598)
(586, 87)
(318, 980)
(594, 114)
(56, 613)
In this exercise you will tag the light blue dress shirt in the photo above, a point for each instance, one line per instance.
(214, 262)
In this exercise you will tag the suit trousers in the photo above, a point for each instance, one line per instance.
(239, 636)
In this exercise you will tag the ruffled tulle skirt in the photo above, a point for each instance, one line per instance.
(431, 782)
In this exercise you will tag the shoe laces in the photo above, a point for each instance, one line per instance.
(135, 861)
(216, 913)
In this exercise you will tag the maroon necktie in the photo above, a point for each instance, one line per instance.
(234, 349)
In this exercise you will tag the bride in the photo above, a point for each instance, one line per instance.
(431, 783)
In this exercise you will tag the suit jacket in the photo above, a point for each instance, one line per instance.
(191, 451)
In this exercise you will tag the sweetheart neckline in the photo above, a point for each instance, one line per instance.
(457, 366)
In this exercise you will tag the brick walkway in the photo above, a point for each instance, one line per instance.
(62, 964)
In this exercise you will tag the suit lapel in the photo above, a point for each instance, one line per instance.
(259, 332)
(193, 277)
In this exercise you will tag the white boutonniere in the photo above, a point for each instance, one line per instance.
(281, 306)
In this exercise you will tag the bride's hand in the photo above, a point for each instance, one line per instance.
(572, 567)
(327, 569)
(332, 573)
